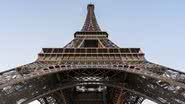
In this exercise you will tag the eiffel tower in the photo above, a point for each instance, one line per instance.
(91, 69)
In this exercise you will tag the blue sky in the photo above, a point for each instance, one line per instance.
(156, 26)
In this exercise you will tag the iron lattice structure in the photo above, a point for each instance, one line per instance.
(92, 70)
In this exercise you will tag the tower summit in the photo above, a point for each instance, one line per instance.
(91, 24)
(91, 69)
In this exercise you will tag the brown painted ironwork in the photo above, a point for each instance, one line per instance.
(91, 69)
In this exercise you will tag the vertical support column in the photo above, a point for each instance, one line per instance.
(105, 96)
(120, 100)
(63, 97)
(61, 92)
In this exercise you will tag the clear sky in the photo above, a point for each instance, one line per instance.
(156, 26)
